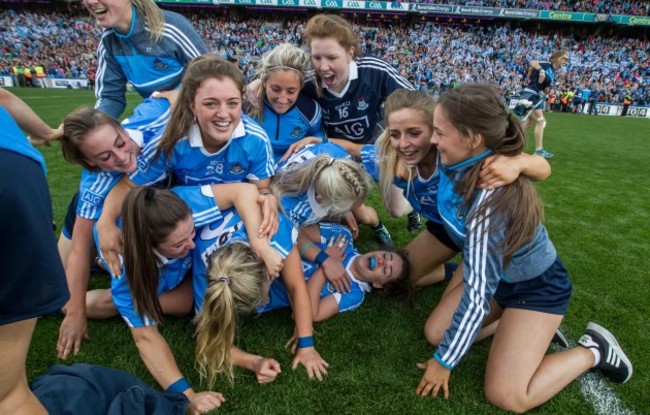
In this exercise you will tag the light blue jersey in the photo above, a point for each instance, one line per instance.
(302, 120)
(223, 232)
(171, 271)
(482, 240)
(301, 209)
(148, 65)
(246, 157)
(148, 122)
(422, 193)
(278, 297)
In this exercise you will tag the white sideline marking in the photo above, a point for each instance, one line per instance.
(53, 96)
(601, 396)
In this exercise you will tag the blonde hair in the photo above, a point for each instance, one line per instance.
(199, 69)
(284, 57)
(235, 286)
(153, 17)
(331, 25)
(389, 162)
(340, 182)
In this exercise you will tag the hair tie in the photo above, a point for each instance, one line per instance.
(224, 279)
(149, 194)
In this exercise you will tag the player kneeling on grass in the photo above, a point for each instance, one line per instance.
(511, 270)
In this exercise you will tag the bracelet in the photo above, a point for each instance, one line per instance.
(180, 386)
(304, 342)
(304, 248)
(321, 257)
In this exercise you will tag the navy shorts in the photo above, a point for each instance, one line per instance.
(548, 293)
(530, 96)
(437, 230)
(70, 216)
(33, 280)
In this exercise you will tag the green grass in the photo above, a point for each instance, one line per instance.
(597, 212)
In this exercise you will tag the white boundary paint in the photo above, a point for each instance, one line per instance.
(601, 396)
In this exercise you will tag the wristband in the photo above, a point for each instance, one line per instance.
(304, 248)
(304, 342)
(321, 257)
(180, 386)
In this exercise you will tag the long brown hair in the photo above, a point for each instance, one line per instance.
(480, 109)
(199, 69)
(149, 216)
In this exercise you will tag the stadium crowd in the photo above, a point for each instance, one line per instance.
(636, 8)
(432, 56)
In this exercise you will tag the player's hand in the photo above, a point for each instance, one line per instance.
(73, 330)
(316, 366)
(435, 377)
(273, 261)
(110, 246)
(333, 266)
(498, 170)
(171, 96)
(266, 369)
(299, 145)
(269, 204)
(204, 402)
(351, 222)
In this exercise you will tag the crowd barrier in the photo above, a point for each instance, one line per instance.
(612, 110)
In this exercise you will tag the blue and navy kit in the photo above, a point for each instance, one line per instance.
(534, 87)
(230, 228)
(349, 301)
(149, 66)
(483, 266)
(246, 157)
(148, 122)
(422, 193)
(303, 119)
(172, 271)
(355, 113)
(300, 209)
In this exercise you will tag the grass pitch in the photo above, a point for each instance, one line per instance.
(597, 213)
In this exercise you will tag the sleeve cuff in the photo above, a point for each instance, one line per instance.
(442, 362)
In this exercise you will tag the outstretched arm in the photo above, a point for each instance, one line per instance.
(499, 170)
(26, 118)
(266, 369)
(158, 358)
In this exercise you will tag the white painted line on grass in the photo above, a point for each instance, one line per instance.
(48, 97)
(601, 396)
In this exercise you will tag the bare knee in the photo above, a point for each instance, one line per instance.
(506, 399)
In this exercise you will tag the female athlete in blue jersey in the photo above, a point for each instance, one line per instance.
(286, 114)
(384, 270)
(159, 231)
(142, 45)
(106, 150)
(208, 141)
(323, 188)
(541, 77)
(405, 158)
(229, 279)
(511, 269)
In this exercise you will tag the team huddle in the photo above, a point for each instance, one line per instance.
(217, 198)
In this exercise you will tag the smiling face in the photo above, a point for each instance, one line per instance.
(282, 88)
(378, 267)
(111, 13)
(331, 61)
(410, 135)
(180, 241)
(453, 147)
(217, 107)
(110, 149)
